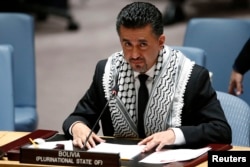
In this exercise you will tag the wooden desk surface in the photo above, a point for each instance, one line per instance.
(7, 136)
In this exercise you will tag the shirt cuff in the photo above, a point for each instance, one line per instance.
(70, 128)
(179, 137)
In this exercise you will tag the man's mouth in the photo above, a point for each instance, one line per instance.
(137, 61)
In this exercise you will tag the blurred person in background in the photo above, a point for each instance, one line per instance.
(173, 12)
(240, 67)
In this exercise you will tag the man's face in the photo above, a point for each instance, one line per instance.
(141, 47)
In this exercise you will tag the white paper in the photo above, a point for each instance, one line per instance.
(127, 152)
(68, 145)
(175, 155)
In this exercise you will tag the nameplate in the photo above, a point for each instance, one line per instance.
(68, 158)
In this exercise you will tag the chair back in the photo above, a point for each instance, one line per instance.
(7, 114)
(237, 112)
(222, 39)
(17, 29)
(195, 54)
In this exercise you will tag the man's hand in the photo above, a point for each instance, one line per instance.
(159, 139)
(80, 133)
(235, 85)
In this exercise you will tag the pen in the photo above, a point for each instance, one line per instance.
(59, 146)
(33, 143)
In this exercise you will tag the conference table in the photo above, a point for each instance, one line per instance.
(9, 136)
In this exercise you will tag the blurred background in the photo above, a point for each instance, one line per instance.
(68, 47)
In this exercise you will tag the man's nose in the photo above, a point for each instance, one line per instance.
(135, 53)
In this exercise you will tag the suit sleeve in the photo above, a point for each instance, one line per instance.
(241, 63)
(203, 119)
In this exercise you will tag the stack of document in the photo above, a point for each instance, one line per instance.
(127, 152)
(175, 155)
(68, 145)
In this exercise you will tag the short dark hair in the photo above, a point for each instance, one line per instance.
(138, 15)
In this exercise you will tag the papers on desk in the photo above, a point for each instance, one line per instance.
(127, 152)
(175, 155)
(68, 145)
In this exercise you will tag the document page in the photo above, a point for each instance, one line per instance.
(127, 152)
(68, 145)
(175, 155)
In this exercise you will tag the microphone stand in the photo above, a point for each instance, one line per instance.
(114, 93)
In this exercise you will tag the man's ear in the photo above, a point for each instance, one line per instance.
(162, 39)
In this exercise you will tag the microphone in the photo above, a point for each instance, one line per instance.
(113, 93)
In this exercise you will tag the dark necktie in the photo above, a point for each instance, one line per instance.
(142, 102)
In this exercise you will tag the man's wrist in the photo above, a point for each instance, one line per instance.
(70, 128)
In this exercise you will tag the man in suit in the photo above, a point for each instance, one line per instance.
(182, 107)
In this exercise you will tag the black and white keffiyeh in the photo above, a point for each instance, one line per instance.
(165, 103)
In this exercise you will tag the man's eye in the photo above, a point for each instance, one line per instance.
(127, 44)
(143, 44)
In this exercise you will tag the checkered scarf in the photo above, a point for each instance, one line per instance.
(165, 103)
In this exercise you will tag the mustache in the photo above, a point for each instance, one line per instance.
(138, 58)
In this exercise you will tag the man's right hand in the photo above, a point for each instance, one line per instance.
(80, 133)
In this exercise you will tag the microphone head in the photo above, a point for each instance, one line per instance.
(115, 90)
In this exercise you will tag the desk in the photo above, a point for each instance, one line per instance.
(6, 137)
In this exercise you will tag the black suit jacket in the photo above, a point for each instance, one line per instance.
(241, 63)
(203, 120)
